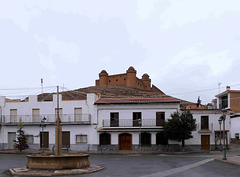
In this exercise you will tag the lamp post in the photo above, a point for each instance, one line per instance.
(140, 136)
(220, 134)
(223, 117)
(43, 125)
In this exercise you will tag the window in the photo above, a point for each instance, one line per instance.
(35, 115)
(224, 102)
(13, 115)
(77, 114)
(145, 139)
(81, 139)
(105, 139)
(29, 139)
(161, 139)
(137, 119)
(160, 118)
(204, 123)
(114, 117)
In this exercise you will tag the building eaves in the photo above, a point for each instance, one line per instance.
(226, 92)
(149, 100)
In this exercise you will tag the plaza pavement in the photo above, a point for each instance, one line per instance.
(232, 159)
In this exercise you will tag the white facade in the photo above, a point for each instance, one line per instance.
(148, 111)
(213, 127)
(95, 120)
(24, 112)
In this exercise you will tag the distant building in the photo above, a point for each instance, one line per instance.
(230, 99)
(128, 79)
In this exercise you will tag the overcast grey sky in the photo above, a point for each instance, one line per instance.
(184, 45)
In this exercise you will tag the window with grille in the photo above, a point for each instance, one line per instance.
(81, 138)
(29, 139)
(105, 139)
(145, 139)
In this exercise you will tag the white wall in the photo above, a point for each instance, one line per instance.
(213, 115)
(48, 108)
(235, 122)
(126, 111)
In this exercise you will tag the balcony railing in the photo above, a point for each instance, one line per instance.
(130, 123)
(205, 128)
(77, 118)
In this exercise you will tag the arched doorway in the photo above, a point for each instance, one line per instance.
(125, 141)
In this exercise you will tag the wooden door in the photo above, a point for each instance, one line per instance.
(66, 139)
(160, 118)
(11, 138)
(44, 140)
(205, 142)
(125, 141)
(114, 119)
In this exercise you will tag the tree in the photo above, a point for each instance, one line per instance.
(180, 127)
(21, 142)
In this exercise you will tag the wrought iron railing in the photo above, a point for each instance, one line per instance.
(130, 123)
(78, 118)
(201, 128)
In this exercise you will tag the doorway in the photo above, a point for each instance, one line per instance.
(125, 141)
(66, 139)
(11, 139)
(44, 140)
(205, 142)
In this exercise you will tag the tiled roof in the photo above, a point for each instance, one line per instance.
(163, 99)
(104, 91)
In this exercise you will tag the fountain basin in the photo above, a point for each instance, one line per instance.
(53, 162)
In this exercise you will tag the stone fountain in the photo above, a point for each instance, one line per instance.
(58, 163)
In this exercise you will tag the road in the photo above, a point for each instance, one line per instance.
(196, 165)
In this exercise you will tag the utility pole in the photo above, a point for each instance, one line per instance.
(58, 153)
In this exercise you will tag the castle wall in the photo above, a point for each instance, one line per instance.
(127, 79)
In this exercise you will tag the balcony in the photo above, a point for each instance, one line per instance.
(144, 123)
(205, 129)
(50, 119)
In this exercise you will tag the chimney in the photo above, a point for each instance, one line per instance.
(228, 88)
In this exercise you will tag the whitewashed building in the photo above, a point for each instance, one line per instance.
(136, 124)
(107, 124)
(78, 122)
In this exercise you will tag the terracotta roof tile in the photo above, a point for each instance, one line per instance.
(164, 99)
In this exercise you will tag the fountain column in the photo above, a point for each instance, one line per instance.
(58, 130)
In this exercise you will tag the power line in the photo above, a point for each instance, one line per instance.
(197, 91)
(29, 88)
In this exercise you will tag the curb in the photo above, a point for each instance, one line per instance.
(228, 161)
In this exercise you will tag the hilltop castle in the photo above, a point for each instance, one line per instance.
(128, 79)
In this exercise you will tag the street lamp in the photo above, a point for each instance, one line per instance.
(43, 125)
(220, 134)
(223, 118)
(140, 136)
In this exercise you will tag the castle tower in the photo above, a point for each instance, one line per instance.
(147, 81)
(103, 78)
(131, 77)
